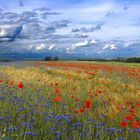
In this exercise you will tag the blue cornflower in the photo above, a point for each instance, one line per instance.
(54, 128)
(6, 138)
(104, 124)
(9, 129)
(138, 130)
(1, 97)
(30, 133)
(112, 129)
(120, 138)
(89, 120)
(98, 134)
(83, 131)
(57, 133)
(118, 130)
(58, 117)
(1, 118)
(18, 108)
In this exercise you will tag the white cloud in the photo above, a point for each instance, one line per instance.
(2, 33)
(93, 41)
(40, 47)
(131, 43)
(84, 35)
(80, 44)
(9, 32)
(111, 46)
(51, 47)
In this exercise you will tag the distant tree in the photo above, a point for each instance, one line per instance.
(48, 58)
(55, 58)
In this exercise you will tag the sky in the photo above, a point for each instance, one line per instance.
(70, 28)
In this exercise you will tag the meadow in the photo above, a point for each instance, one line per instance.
(70, 101)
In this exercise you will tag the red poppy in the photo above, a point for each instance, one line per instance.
(123, 123)
(138, 104)
(1, 81)
(99, 91)
(73, 96)
(57, 99)
(132, 111)
(132, 106)
(20, 85)
(135, 124)
(128, 117)
(57, 91)
(77, 99)
(76, 111)
(127, 102)
(82, 110)
(56, 84)
(51, 84)
(12, 83)
(88, 103)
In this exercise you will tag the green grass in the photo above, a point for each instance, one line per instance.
(31, 113)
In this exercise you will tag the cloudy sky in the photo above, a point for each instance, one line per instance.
(70, 28)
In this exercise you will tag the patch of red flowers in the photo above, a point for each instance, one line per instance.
(128, 118)
(76, 111)
(20, 85)
(135, 124)
(82, 110)
(88, 103)
(57, 99)
(124, 123)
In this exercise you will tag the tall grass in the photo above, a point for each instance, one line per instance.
(52, 103)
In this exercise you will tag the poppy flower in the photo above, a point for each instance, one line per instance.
(77, 99)
(73, 96)
(56, 84)
(127, 102)
(51, 84)
(124, 123)
(82, 110)
(132, 111)
(1, 81)
(57, 91)
(128, 118)
(57, 99)
(20, 85)
(138, 104)
(88, 103)
(135, 124)
(99, 91)
(76, 111)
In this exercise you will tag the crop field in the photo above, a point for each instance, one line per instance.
(70, 101)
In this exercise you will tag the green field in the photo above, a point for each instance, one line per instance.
(70, 101)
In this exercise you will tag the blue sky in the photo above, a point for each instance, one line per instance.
(73, 28)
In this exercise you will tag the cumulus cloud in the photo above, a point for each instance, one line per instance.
(9, 32)
(111, 46)
(40, 47)
(85, 43)
(93, 41)
(52, 47)
(80, 44)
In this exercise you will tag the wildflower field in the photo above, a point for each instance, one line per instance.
(70, 101)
